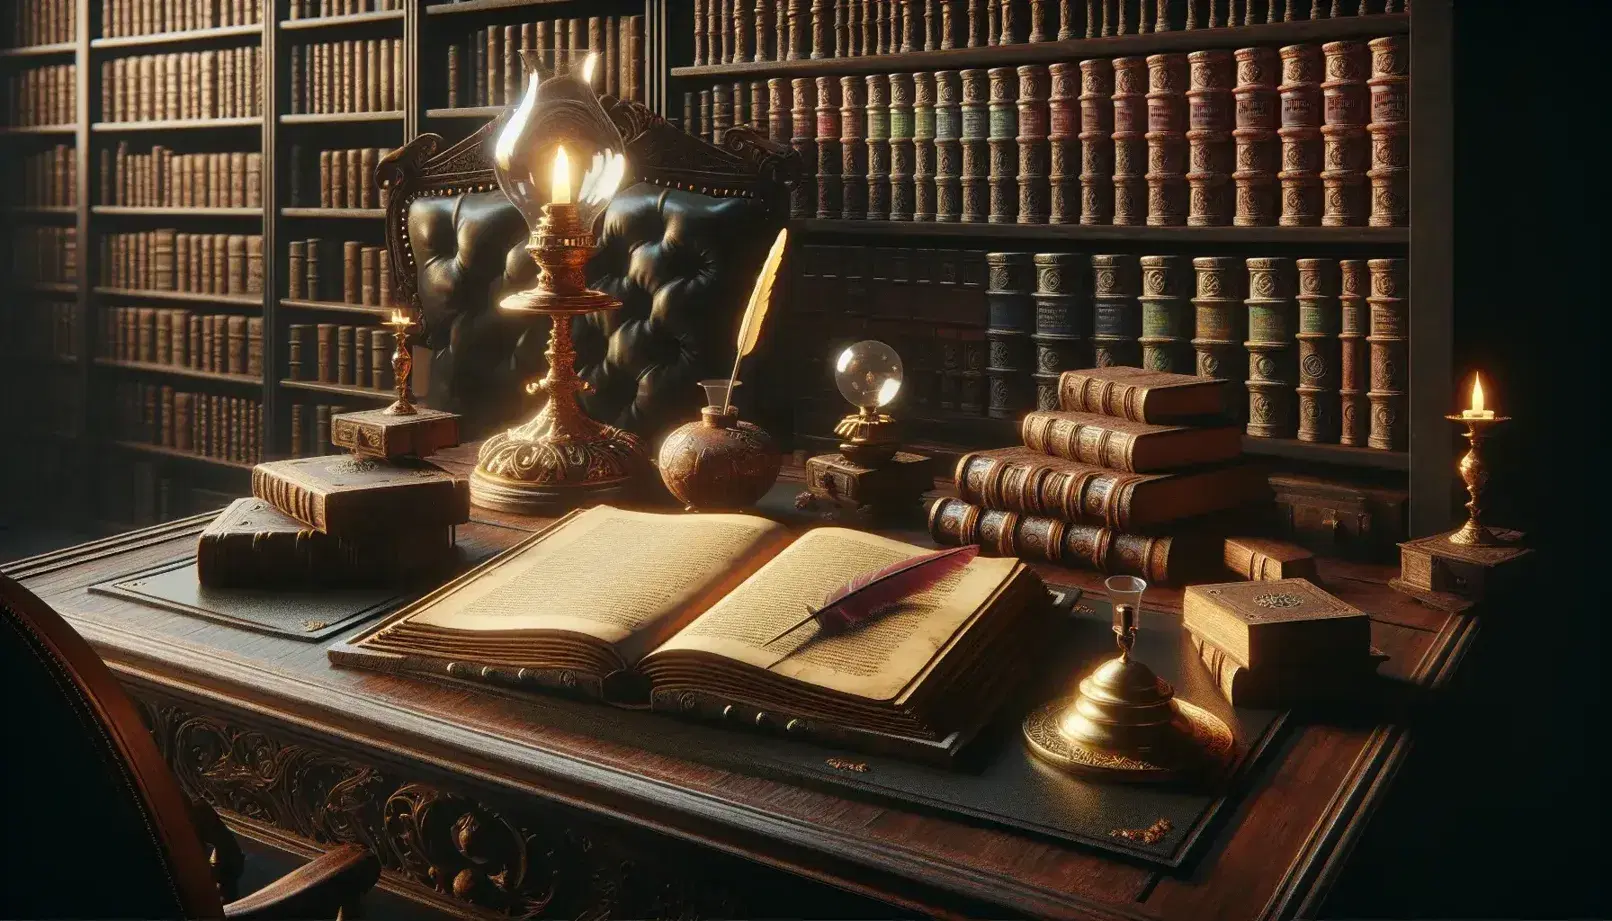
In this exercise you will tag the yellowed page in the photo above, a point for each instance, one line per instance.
(628, 578)
(875, 661)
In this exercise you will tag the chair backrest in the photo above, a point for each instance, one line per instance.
(97, 824)
(679, 246)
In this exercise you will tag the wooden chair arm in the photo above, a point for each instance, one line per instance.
(322, 888)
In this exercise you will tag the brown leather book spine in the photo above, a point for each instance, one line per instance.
(367, 159)
(296, 348)
(254, 264)
(1221, 326)
(822, 29)
(1355, 368)
(344, 354)
(902, 148)
(1096, 141)
(701, 30)
(1034, 153)
(353, 178)
(1117, 316)
(327, 187)
(877, 136)
(779, 111)
(380, 359)
(235, 333)
(1063, 140)
(1389, 358)
(351, 272)
(975, 140)
(1390, 132)
(325, 364)
(853, 149)
(313, 286)
(1300, 134)
(721, 112)
(978, 24)
(1272, 348)
(1167, 315)
(369, 271)
(321, 430)
(955, 522)
(760, 106)
(235, 264)
(1130, 141)
(1345, 148)
(361, 355)
(1258, 147)
(1211, 118)
(948, 147)
(1062, 321)
(923, 147)
(179, 339)
(703, 127)
(1166, 140)
(148, 334)
(1002, 145)
(805, 196)
(797, 33)
(493, 75)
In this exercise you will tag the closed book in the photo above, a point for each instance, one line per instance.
(1300, 134)
(326, 354)
(252, 544)
(1169, 559)
(1262, 559)
(1139, 395)
(1167, 314)
(974, 138)
(1285, 622)
(236, 344)
(1258, 147)
(1210, 120)
(1286, 686)
(1272, 348)
(923, 151)
(1166, 140)
(344, 354)
(1319, 358)
(1031, 483)
(1130, 140)
(801, 126)
(1096, 141)
(901, 147)
(1119, 444)
(853, 149)
(877, 139)
(1117, 314)
(380, 359)
(1345, 148)
(1002, 146)
(1387, 331)
(1354, 365)
(1010, 348)
(948, 147)
(344, 495)
(1389, 131)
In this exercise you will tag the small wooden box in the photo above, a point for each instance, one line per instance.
(1453, 577)
(890, 487)
(375, 433)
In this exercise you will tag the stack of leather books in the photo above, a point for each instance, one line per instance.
(1128, 476)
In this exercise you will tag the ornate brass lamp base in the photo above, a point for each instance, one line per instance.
(1206, 738)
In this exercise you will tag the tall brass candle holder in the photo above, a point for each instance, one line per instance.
(402, 364)
(401, 429)
(1126, 723)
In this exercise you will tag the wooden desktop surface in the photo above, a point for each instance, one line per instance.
(255, 721)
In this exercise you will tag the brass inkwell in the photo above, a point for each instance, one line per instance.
(1126, 723)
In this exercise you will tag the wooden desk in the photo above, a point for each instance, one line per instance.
(475, 809)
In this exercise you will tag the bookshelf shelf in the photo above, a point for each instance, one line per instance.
(141, 447)
(49, 287)
(179, 124)
(148, 367)
(315, 118)
(57, 49)
(335, 22)
(335, 307)
(346, 390)
(1278, 33)
(254, 30)
(68, 128)
(476, 112)
(40, 211)
(186, 297)
(479, 6)
(352, 213)
(131, 211)
(1384, 236)
(1327, 454)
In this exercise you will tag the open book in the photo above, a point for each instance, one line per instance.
(677, 610)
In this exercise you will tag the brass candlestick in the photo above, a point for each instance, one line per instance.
(1476, 477)
(561, 458)
(402, 364)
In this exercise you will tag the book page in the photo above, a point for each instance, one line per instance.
(628, 578)
(876, 660)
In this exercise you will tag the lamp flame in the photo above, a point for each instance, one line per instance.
(562, 178)
(1477, 393)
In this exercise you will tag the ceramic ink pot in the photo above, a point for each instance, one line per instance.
(719, 462)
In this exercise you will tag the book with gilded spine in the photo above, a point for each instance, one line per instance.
(344, 495)
(1284, 622)
(1139, 395)
(1119, 444)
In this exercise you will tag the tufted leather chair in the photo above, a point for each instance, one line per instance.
(679, 248)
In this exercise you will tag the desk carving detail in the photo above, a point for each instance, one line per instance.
(551, 863)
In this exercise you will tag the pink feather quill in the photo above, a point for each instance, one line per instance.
(867, 594)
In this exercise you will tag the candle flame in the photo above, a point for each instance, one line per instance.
(561, 178)
(397, 318)
(1477, 393)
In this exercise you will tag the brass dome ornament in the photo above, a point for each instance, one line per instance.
(1126, 724)
(560, 160)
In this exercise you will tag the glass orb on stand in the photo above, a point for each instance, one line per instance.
(869, 376)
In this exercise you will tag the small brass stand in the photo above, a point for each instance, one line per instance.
(561, 459)
(401, 429)
(1125, 724)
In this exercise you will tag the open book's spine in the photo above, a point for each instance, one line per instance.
(955, 522)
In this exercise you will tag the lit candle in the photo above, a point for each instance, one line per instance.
(1477, 411)
(562, 178)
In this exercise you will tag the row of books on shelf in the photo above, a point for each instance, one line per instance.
(346, 178)
(47, 178)
(44, 255)
(365, 278)
(138, 492)
(486, 68)
(316, 9)
(221, 83)
(205, 424)
(729, 32)
(149, 17)
(40, 22)
(44, 328)
(168, 260)
(1306, 135)
(39, 96)
(165, 179)
(310, 428)
(1313, 349)
(353, 75)
(216, 343)
(358, 356)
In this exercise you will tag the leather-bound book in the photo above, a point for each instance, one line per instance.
(235, 343)
(743, 31)
(700, 53)
(1117, 316)
(312, 283)
(369, 271)
(184, 421)
(367, 159)
(1300, 134)
(254, 346)
(690, 113)
(162, 252)
(1221, 326)
(923, 147)
(1062, 321)
(1289, 622)
(326, 355)
(1272, 348)
(971, 399)
(1139, 395)
(713, 33)
(1166, 140)
(765, 47)
(221, 343)
(1210, 120)
(948, 147)
(1003, 145)
(830, 202)
(321, 429)
(1258, 147)
(298, 351)
(235, 263)
(1390, 362)
(348, 496)
(1164, 560)
(148, 334)
(1319, 320)
(888, 40)
(1167, 315)
(1096, 141)
(842, 29)
(381, 346)
(802, 123)
(344, 354)
(1345, 149)
(976, 123)
(1011, 352)
(798, 33)
(853, 28)
(853, 149)
(721, 112)
(780, 111)
(1130, 141)
(979, 23)
(822, 15)
(1034, 155)
(361, 354)
(1264, 560)
(1063, 144)
(703, 128)
(351, 272)
(1119, 444)
(1390, 132)
(179, 341)
(1355, 367)
(252, 544)
(760, 110)
(901, 145)
(878, 146)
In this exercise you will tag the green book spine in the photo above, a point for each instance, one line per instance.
(878, 146)
(923, 147)
(1272, 352)
(902, 148)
